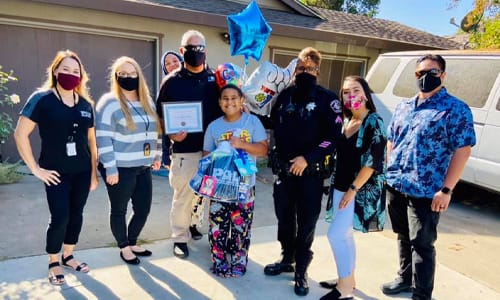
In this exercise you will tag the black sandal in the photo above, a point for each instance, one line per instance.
(56, 279)
(78, 268)
(330, 284)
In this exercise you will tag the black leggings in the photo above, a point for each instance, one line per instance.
(133, 183)
(66, 202)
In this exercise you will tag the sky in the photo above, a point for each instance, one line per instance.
(432, 16)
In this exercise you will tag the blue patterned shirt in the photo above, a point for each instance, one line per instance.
(424, 139)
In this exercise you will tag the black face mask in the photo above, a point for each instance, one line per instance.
(305, 82)
(128, 83)
(194, 58)
(428, 83)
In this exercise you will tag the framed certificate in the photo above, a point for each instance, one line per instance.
(182, 116)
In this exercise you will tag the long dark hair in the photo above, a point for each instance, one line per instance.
(370, 105)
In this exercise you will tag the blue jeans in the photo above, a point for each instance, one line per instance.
(416, 226)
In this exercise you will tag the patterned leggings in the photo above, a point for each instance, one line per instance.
(229, 237)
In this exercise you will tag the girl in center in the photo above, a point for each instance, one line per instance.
(230, 222)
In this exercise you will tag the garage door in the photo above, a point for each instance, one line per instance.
(28, 51)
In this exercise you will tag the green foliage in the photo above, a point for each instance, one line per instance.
(9, 173)
(358, 7)
(482, 23)
(490, 38)
(6, 122)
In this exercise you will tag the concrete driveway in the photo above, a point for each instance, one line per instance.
(467, 259)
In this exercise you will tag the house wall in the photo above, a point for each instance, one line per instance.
(163, 34)
(170, 33)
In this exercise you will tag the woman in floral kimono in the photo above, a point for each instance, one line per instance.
(358, 186)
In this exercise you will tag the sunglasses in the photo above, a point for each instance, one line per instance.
(196, 48)
(303, 69)
(432, 72)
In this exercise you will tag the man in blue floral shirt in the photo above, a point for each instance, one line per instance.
(429, 141)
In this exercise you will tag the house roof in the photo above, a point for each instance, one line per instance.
(335, 26)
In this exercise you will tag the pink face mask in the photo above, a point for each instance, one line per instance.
(354, 103)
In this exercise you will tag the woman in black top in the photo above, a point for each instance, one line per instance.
(63, 111)
(358, 195)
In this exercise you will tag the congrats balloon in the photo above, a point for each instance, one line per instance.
(266, 82)
(248, 32)
(229, 73)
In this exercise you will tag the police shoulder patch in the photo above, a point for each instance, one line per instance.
(336, 106)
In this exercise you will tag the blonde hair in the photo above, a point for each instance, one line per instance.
(310, 53)
(142, 92)
(51, 82)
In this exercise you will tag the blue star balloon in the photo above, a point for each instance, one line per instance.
(248, 32)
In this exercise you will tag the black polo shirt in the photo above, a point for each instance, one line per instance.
(59, 124)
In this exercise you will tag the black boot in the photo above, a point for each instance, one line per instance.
(278, 268)
(301, 285)
(285, 265)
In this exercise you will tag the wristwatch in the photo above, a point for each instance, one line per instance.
(353, 187)
(446, 190)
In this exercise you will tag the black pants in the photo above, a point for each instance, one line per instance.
(416, 226)
(66, 202)
(134, 183)
(297, 204)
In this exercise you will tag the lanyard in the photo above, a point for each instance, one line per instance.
(146, 120)
(60, 98)
(75, 116)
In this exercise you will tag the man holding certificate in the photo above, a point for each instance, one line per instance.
(187, 103)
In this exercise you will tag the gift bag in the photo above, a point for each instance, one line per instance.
(218, 177)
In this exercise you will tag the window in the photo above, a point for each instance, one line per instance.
(333, 68)
(382, 74)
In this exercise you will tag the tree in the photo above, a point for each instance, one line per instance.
(359, 7)
(482, 23)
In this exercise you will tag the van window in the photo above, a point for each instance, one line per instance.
(382, 74)
(406, 85)
(470, 80)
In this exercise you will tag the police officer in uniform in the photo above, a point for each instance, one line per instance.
(307, 121)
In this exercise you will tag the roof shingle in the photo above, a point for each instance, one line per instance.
(359, 26)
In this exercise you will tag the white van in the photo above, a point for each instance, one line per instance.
(472, 76)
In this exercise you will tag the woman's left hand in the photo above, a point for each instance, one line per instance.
(347, 198)
(156, 165)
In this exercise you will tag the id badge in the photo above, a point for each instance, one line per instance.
(146, 148)
(71, 149)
